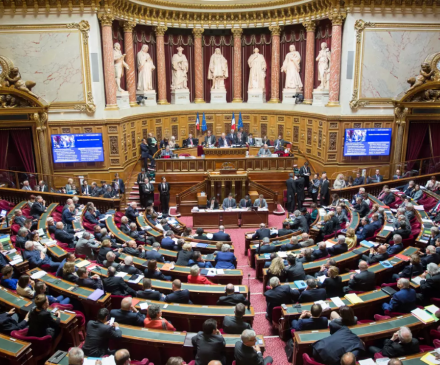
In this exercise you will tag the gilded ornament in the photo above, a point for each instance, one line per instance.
(400, 114)
(128, 26)
(359, 26)
(198, 32)
(14, 80)
(160, 30)
(237, 32)
(355, 103)
(310, 26)
(89, 106)
(106, 19)
(84, 27)
(337, 18)
(275, 30)
(426, 74)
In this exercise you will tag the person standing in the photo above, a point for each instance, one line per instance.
(305, 172)
(146, 154)
(325, 191)
(316, 183)
(300, 194)
(290, 184)
(147, 192)
(152, 144)
(119, 184)
(164, 190)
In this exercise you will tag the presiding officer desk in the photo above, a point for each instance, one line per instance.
(229, 218)
(15, 352)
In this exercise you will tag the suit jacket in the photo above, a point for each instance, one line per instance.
(145, 151)
(179, 296)
(154, 255)
(250, 141)
(263, 203)
(364, 281)
(9, 324)
(229, 204)
(37, 210)
(290, 185)
(154, 275)
(208, 348)
(21, 241)
(263, 152)
(398, 349)
(232, 300)
(279, 144)
(40, 322)
(367, 231)
(284, 232)
(234, 326)
(125, 228)
(389, 198)
(223, 142)
(64, 237)
(245, 355)
(149, 294)
(220, 236)
(333, 287)
(267, 141)
(90, 283)
(325, 192)
(98, 337)
(338, 249)
(127, 317)
(245, 204)
(403, 301)
(377, 178)
(209, 140)
(231, 138)
(299, 188)
(261, 233)
(310, 324)
(430, 287)
(20, 220)
(362, 209)
(91, 218)
(188, 142)
(359, 181)
(86, 190)
(208, 205)
(68, 217)
(312, 295)
(304, 170)
(282, 294)
(372, 259)
(319, 254)
(86, 247)
(121, 185)
(267, 249)
(131, 270)
(117, 286)
(131, 214)
(394, 249)
(141, 177)
(164, 191)
(300, 222)
(295, 272)
(168, 244)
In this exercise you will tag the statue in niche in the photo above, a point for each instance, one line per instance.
(145, 69)
(323, 59)
(291, 66)
(218, 70)
(14, 79)
(257, 73)
(120, 64)
(179, 65)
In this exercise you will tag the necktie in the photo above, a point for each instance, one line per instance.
(261, 203)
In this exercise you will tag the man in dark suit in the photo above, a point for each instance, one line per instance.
(300, 222)
(146, 154)
(190, 141)
(397, 247)
(375, 222)
(229, 202)
(295, 270)
(339, 248)
(261, 233)
(38, 208)
(94, 282)
(266, 141)
(154, 253)
(364, 281)
(41, 321)
(90, 216)
(430, 256)
(99, 334)
(358, 180)
(147, 190)
(42, 187)
(86, 189)
(19, 218)
(430, 285)
(376, 256)
(69, 216)
(266, 247)
(209, 139)
(250, 140)
(285, 230)
(279, 294)
(279, 143)
(221, 235)
(309, 321)
(168, 242)
(116, 285)
(389, 197)
(119, 184)
(366, 230)
(290, 185)
(128, 314)
(125, 225)
(325, 190)
(178, 295)
(403, 301)
(222, 141)
(361, 207)
(312, 293)
(248, 352)
(408, 188)
(231, 138)
(128, 267)
(401, 344)
(209, 344)
(377, 177)
(232, 298)
(397, 176)
(245, 202)
(131, 212)
(403, 231)
(299, 189)
(63, 236)
(164, 190)
(148, 293)
(9, 321)
(321, 252)
(305, 172)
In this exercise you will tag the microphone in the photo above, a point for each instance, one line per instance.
(249, 290)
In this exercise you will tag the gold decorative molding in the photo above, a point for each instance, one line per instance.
(106, 19)
(310, 25)
(275, 30)
(400, 114)
(198, 32)
(84, 27)
(355, 103)
(128, 27)
(160, 30)
(40, 120)
(359, 26)
(237, 32)
(89, 107)
(337, 18)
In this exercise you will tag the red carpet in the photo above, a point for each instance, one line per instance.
(274, 346)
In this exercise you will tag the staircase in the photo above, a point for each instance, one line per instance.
(132, 188)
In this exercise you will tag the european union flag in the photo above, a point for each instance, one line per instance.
(204, 126)
(240, 121)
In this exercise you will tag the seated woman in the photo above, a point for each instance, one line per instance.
(212, 204)
(277, 269)
(31, 201)
(69, 273)
(405, 201)
(328, 227)
(417, 194)
(187, 232)
(35, 238)
(414, 268)
(333, 284)
(41, 288)
(184, 255)
(198, 260)
(335, 200)
(172, 143)
(25, 287)
(195, 278)
(70, 187)
(225, 259)
(7, 281)
(339, 182)
(430, 185)
(383, 192)
(374, 209)
(315, 212)
(152, 272)
(345, 317)
(350, 238)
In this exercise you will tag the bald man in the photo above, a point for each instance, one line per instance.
(122, 357)
(375, 256)
(364, 281)
(348, 359)
(128, 314)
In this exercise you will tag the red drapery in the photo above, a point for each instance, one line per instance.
(144, 34)
(118, 37)
(173, 39)
(323, 34)
(296, 35)
(4, 138)
(251, 39)
(416, 136)
(435, 137)
(17, 141)
(211, 40)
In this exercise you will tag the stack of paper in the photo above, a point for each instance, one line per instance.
(17, 260)
(38, 274)
(353, 298)
(82, 263)
(321, 278)
(367, 362)
(337, 301)
(329, 243)
(430, 359)
(432, 308)
(120, 274)
(209, 236)
(422, 315)
(417, 280)
(323, 304)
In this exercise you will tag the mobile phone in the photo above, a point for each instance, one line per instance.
(284, 306)
(3, 213)
(112, 320)
(55, 310)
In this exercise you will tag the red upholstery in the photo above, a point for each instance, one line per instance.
(276, 315)
(166, 157)
(329, 236)
(87, 225)
(378, 317)
(142, 362)
(15, 227)
(393, 314)
(116, 300)
(193, 362)
(120, 215)
(378, 356)
(435, 334)
(363, 321)
(426, 348)
(157, 199)
(307, 360)
(428, 202)
(41, 346)
(435, 301)
(393, 285)
(185, 154)
(59, 209)
(436, 343)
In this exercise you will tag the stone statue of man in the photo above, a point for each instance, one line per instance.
(179, 65)
(257, 73)
(120, 64)
(218, 70)
(324, 58)
(291, 66)
(145, 69)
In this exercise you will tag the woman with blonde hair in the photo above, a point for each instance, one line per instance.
(333, 284)
(339, 182)
(185, 254)
(327, 227)
(350, 238)
(277, 269)
(69, 273)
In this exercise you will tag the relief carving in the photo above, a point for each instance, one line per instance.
(280, 129)
(159, 133)
(263, 128)
(332, 141)
(377, 125)
(113, 129)
(264, 118)
(12, 101)
(144, 133)
(174, 120)
(247, 127)
(357, 125)
(295, 134)
(114, 148)
(144, 122)
(88, 130)
(319, 138)
(309, 136)
(133, 140)
(309, 122)
(333, 125)
(175, 131)
(65, 130)
(332, 157)
(280, 119)
(295, 120)
(114, 161)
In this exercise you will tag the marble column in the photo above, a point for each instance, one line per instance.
(109, 66)
(161, 68)
(238, 79)
(335, 67)
(198, 65)
(276, 68)
(400, 114)
(130, 75)
(310, 61)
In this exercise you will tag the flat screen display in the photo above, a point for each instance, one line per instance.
(367, 142)
(77, 148)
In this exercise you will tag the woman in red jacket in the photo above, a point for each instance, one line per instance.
(195, 278)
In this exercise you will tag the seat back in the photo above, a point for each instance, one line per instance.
(116, 300)
(307, 360)
(41, 346)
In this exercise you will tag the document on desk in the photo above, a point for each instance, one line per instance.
(367, 362)
(121, 274)
(38, 274)
(337, 301)
(422, 315)
(417, 280)
(353, 298)
(430, 359)
(82, 263)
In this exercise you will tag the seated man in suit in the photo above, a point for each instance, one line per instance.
(361, 207)
(191, 142)
(234, 325)
(231, 138)
(403, 301)
(38, 208)
(365, 230)
(94, 282)
(125, 225)
(339, 248)
(261, 233)
(279, 294)
(232, 298)
(222, 141)
(200, 234)
(430, 285)
(109, 261)
(221, 235)
(401, 344)
(209, 139)
(63, 236)
(154, 254)
(69, 215)
(128, 266)
(359, 180)
(128, 314)
(131, 212)
(266, 246)
(246, 202)
(261, 202)
(364, 281)
(229, 202)
(389, 197)
(265, 140)
(248, 352)
(166, 152)
(250, 140)
(409, 212)
(279, 143)
(312, 293)
(309, 321)
(116, 285)
(87, 246)
(19, 218)
(212, 204)
(285, 230)
(178, 295)
(91, 218)
(321, 252)
(430, 256)
(295, 270)
(340, 215)
(398, 175)
(377, 177)
(264, 151)
(38, 258)
(148, 293)
(376, 256)
(299, 222)
(375, 221)
(209, 345)
(168, 242)
(23, 235)
(397, 247)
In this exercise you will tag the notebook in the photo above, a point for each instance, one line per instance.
(98, 293)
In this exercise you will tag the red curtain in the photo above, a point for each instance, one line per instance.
(222, 39)
(118, 37)
(323, 34)
(144, 34)
(173, 39)
(296, 35)
(251, 39)
(435, 137)
(23, 143)
(4, 138)
(416, 136)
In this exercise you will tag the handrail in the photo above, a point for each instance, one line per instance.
(132, 170)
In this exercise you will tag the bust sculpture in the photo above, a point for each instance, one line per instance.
(120, 64)
(291, 66)
(145, 69)
(218, 70)
(257, 73)
(179, 65)
(323, 59)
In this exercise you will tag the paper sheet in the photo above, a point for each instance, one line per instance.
(422, 315)
(430, 359)
(323, 304)
(367, 362)
(337, 301)
(143, 305)
(417, 280)
(38, 274)
(120, 274)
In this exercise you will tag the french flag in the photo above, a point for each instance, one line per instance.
(233, 126)
(198, 122)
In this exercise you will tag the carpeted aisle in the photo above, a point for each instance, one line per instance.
(274, 345)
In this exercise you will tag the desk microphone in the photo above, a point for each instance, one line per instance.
(249, 290)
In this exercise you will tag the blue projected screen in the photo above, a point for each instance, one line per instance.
(77, 148)
(367, 142)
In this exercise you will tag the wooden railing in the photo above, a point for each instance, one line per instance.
(187, 199)
(270, 196)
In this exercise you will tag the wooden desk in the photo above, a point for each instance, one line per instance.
(229, 218)
(5, 226)
(248, 240)
(202, 200)
(225, 152)
(207, 219)
(23, 266)
(15, 352)
(252, 218)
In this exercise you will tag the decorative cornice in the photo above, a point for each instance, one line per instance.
(160, 30)
(198, 32)
(355, 103)
(275, 30)
(310, 25)
(359, 26)
(237, 32)
(106, 19)
(337, 18)
(400, 114)
(84, 27)
(128, 26)
(89, 107)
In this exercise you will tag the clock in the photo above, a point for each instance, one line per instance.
(437, 65)
(5, 65)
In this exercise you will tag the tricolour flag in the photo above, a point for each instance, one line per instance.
(204, 126)
(198, 122)
(240, 121)
(233, 122)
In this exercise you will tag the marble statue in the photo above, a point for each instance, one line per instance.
(14, 80)
(145, 69)
(218, 70)
(425, 75)
(179, 65)
(257, 74)
(323, 59)
(291, 66)
(120, 64)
